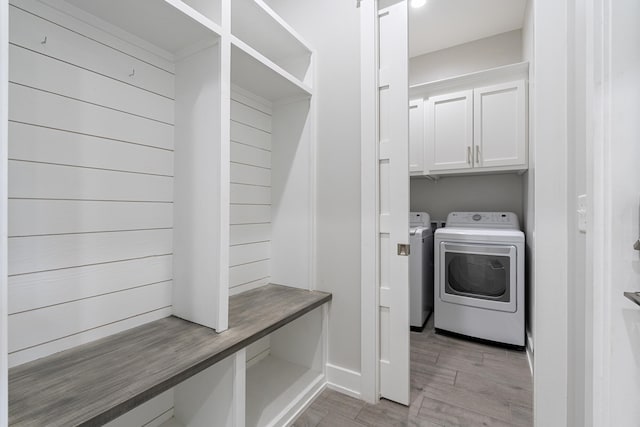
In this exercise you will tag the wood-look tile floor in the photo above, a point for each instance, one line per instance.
(454, 382)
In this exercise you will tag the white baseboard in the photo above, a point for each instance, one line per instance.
(530, 351)
(344, 380)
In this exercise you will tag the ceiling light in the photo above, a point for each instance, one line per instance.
(418, 3)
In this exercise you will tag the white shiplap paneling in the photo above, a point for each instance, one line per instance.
(37, 290)
(250, 136)
(88, 86)
(42, 253)
(250, 211)
(91, 185)
(46, 109)
(245, 273)
(28, 30)
(62, 320)
(250, 194)
(249, 252)
(29, 142)
(47, 181)
(29, 217)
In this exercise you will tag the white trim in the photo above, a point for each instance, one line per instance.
(529, 350)
(496, 75)
(599, 227)
(551, 213)
(369, 320)
(4, 106)
(344, 380)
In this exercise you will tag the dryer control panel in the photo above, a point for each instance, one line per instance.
(507, 220)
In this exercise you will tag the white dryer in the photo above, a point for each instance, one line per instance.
(420, 269)
(479, 276)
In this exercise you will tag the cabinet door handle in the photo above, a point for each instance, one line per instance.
(468, 154)
(478, 154)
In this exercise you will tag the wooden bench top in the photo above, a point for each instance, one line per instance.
(94, 383)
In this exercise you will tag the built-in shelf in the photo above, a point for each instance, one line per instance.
(170, 25)
(256, 24)
(259, 75)
(633, 296)
(97, 382)
(272, 384)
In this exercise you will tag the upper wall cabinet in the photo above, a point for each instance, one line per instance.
(477, 128)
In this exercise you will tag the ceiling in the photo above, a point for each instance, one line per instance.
(444, 23)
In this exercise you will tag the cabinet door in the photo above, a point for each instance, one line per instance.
(416, 137)
(499, 125)
(449, 131)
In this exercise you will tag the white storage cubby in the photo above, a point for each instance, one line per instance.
(288, 368)
(161, 158)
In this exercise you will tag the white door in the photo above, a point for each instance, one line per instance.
(416, 137)
(499, 125)
(616, 213)
(449, 131)
(393, 166)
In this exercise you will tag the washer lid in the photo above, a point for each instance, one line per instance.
(419, 219)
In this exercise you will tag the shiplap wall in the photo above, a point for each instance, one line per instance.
(90, 184)
(250, 210)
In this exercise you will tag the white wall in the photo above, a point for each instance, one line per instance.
(467, 193)
(332, 28)
(578, 327)
(490, 52)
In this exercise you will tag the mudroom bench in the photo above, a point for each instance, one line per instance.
(95, 383)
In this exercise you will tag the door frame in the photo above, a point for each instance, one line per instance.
(369, 190)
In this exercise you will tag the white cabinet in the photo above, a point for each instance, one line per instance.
(472, 123)
(449, 131)
(416, 137)
(477, 130)
(499, 125)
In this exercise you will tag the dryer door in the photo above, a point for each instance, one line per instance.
(479, 275)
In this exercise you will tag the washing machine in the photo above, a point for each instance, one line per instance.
(479, 277)
(420, 269)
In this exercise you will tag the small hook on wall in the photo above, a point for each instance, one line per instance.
(44, 40)
(133, 72)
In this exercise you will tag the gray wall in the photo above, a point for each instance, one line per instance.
(332, 27)
(467, 193)
(490, 52)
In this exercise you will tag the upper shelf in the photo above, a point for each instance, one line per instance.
(170, 25)
(254, 72)
(256, 24)
(516, 71)
(97, 382)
